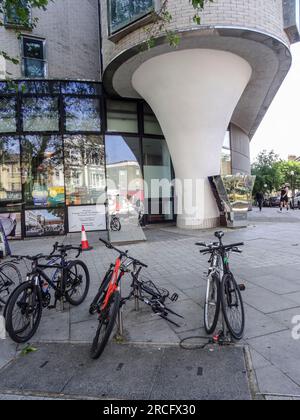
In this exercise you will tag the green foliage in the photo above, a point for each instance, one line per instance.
(272, 173)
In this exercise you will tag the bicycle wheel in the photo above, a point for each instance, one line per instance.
(24, 312)
(101, 293)
(107, 320)
(10, 277)
(77, 283)
(115, 225)
(212, 304)
(233, 307)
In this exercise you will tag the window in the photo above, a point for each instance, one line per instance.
(40, 114)
(8, 122)
(82, 114)
(122, 117)
(10, 174)
(18, 14)
(124, 12)
(226, 168)
(84, 169)
(151, 125)
(42, 171)
(34, 64)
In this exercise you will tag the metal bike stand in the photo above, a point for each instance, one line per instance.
(136, 300)
(120, 319)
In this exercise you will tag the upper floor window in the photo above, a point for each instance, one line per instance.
(124, 12)
(18, 13)
(33, 60)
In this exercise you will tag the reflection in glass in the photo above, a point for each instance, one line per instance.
(10, 171)
(8, 115)
(39, 87)
(124, 12)
(151, 124)
(84, 169)
(80, 88)
(226, 165)
(122, 117)
(40, 114)
(34, 64)
(82, 114)
(42, 171)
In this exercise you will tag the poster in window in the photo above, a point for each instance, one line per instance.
(11, 223)
(93, 218)
(48, 222)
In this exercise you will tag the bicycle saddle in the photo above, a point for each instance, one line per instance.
(219, 234)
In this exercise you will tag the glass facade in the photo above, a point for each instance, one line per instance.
(51, 153)
(124, 12)
(65, 149)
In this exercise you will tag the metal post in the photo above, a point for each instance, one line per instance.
(136, 299)
(120, 319)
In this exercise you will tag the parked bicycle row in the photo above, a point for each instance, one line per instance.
(56, 278)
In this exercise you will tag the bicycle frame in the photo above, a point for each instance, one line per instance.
(114, 283)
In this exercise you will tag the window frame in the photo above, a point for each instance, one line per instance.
(23, 57)
(9, 24)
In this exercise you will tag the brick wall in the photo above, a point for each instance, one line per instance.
(71, 30)
(262, 15)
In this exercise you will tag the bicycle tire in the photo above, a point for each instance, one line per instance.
(12, 332)
(211, 327)
(231, 296)
(101, 293)
(115, 225)
(109, 319)
(73, 266)
(15, 280)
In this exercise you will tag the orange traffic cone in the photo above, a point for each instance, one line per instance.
(84, 241)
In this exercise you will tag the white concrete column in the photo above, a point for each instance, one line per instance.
(193, 94)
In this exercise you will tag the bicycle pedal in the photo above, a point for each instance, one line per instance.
(242, 287)
(174, 297)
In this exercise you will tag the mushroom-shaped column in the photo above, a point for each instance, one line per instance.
(194, 94)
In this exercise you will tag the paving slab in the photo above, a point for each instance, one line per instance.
(130, 372)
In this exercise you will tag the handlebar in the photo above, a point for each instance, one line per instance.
(215, 247)
(65, 248)
(123, 253)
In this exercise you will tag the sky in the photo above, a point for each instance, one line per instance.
(280, 129)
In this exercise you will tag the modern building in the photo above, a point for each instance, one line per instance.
(89, 103)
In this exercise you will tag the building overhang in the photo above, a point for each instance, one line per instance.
(269, 57)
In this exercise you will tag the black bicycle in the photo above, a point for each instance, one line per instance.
(10, 277)
(70, 281)
(223, 292)
(115, 223)
(108, 300)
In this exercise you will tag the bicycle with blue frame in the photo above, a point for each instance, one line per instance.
(70, 282)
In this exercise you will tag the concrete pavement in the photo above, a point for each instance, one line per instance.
(269, 266)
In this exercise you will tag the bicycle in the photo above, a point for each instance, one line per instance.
(10, 276)
(70, 282)
(108, 300)
(115, 224)
(223, 292)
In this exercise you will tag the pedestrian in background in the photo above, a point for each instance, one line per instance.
(284, 197)
(260, 200)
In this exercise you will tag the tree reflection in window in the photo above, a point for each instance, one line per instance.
(40, 114)
(123, 12)
(82, 114)
(84, 169)
(8, 115)
(10, 171)
(42, 171)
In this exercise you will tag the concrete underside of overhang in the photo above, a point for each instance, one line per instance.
(269, 58)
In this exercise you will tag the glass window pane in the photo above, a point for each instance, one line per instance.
(12, 16)
(40, 114)
(122, 117)
(40, 87)
(151, 124)
(45, 222)
(43, 171)
(81, 88)
(8, 122)
(124, 12)
(33, 48)
(8, 87)
(124, 172)
(34, 68)
(82, 114)
(10, 170)
(84, 169)
(157, 168)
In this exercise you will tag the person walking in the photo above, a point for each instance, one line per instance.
(284, 197)
(260, 200)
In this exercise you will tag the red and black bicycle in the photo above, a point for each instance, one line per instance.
(108, 300)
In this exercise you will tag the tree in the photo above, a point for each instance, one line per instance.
(20, 11)
(290, 174)
(266, 168)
